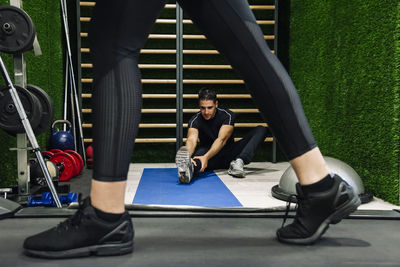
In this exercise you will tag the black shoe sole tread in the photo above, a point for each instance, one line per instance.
(99, 250)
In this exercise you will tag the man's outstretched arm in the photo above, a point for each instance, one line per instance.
(223, 136)
(191, 142)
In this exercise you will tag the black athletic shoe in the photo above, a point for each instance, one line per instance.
(184, 165)
(83, 234)
(316, 211)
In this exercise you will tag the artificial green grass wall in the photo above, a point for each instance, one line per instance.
(345, 62)
(45, 71)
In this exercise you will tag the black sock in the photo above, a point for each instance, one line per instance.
(196, 168)
(325, 184)
(109, 217)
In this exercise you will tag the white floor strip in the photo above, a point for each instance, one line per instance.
(254, 191)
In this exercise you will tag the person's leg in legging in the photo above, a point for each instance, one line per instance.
(101, 226)
(117, 92)
(231, 27)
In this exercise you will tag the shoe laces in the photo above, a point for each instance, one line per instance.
(237, 164)
(75, 219)
(291, 199)
(302, 208)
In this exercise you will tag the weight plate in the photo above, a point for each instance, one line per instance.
(9, 117)
(34, 168)
(53, 169)
(47, 154)
(37, 175)
(69, 165)
(78, 159)
(55, 150)
(17, 31)
(47, 109)
(76, 164)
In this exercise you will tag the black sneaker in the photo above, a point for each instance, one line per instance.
(184, 165)
(316, 211)
(83, 234)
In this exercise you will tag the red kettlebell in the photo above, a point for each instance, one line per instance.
(89, 151)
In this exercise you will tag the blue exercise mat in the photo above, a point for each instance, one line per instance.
(162, 187)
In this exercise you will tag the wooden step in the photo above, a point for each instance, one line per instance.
(185, 125)
(169, 140)
(173, 51)
(185, 81)
(184, 36)
(185, 110)
(172, 66)
(173, 6)
(185, 21)
(186, 96)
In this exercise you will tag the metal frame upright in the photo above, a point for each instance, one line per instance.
(78, 51)
(276, 17)
(22, 140)
(179, 76)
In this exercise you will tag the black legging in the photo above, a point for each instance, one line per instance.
(119, 29)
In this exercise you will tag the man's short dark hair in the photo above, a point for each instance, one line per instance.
(207, 94)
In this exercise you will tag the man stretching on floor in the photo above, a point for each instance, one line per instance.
(217, 149)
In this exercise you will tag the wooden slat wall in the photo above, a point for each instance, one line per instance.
(203, 66)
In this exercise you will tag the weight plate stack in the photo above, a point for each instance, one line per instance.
(46, 117)
(47, 154)
(9, 117)
(69, 164)
(17, 32)
(78, 158)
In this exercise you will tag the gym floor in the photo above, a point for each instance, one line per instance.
(218, 237)
(213, 241)
(253, 192)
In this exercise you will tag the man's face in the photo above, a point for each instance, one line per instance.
(208, 108)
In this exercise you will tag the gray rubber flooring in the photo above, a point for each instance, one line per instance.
(222, 242)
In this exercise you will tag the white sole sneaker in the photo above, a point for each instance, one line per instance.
(184, 165)
(237, 174)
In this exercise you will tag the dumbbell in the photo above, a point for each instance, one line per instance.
(48, 201)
